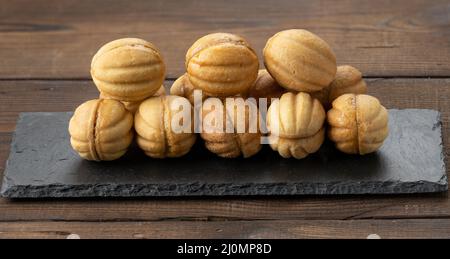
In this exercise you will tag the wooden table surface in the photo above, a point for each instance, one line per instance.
(402, 48)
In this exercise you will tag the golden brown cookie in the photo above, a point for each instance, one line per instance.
(161, 91)
(348, 80)
(101, 130)
(300, 61)
(133, 106)
(296, 125)
(265, 87)
(242, 138)
(183, 87)
(128, 69)
(221, 64)
(322, 96)
(154, 125)
(358, 123)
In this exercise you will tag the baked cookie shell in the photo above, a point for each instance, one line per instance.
(183, 87)
(222, 64)
(297, 115)
(154, 131)
(298, 147)
(296, 125)
(348, 80)
(358, 124)
(300, 60)
(128, 69)
(236, 144)
(265, 86)
(101, 130)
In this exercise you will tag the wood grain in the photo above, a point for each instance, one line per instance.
(37, 95)
(65, 95)
(57, 38)
(228, 209)
(385, 229)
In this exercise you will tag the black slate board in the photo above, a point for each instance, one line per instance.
(42, 164)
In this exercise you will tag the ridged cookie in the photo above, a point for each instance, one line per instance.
(299, 60)
(183, 87)
(101, 130)
(296, 125)
(322, 96)
(128, 69)
(348, 80)
(358, 123)
(242, 138)
(265, 87)
(222, 64)
(154, 126)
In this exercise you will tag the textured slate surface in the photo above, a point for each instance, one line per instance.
(42, 164)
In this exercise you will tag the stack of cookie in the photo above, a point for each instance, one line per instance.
(305, 65)
(129, 73)
(309, 97)
(223, 66)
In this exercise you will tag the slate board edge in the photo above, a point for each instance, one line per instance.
(202, 189)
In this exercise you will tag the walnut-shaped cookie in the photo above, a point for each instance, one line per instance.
(230, 128)
(322, 96)
(296, 125)
(358, 123)
(133, 106)
(221, 64)
(265, 87)
(348, 80)
(101, 130)
(161, 91)
(299, 60)
(183, 87)
(128, 69)
(164, 126)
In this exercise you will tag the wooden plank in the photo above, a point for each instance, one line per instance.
(66, 95)
(385, 229)
(56, 39)
(16, 96)
(228, 209)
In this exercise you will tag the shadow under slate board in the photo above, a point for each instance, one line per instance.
(42, 164)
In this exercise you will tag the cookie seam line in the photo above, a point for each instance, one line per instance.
(299, 138)
(95, 129)
(357, 124)
(163, 101)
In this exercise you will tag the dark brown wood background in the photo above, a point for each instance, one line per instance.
(402, 48)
